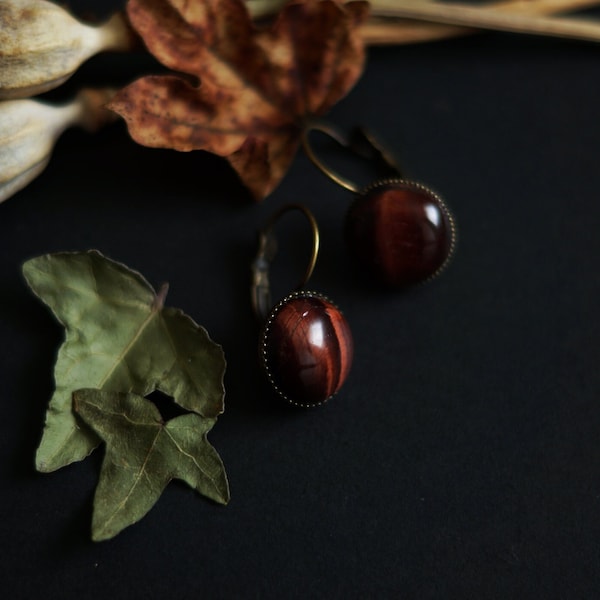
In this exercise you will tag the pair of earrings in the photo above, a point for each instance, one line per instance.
(400, 231)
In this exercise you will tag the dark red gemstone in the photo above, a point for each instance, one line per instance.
(307, 348)
(401, 232)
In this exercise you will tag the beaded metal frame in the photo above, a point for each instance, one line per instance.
(262, 349)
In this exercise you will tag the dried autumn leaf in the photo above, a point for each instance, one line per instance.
(256, 87)
(119, 337)
(143, 454)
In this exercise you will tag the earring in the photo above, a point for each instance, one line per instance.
(306, 346)
(399, 231)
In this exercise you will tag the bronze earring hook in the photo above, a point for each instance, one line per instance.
(362, 142)
(267, 249)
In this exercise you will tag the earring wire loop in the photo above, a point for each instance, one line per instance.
(341, 140)
(261, 286)
(362, 142)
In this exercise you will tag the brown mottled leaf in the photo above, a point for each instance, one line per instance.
(250, 89)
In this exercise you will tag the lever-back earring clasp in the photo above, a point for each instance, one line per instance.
(362, 142)
(267, 249)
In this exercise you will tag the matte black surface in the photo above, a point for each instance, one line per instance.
(462, 457)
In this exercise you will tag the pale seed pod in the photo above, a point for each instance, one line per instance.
(29, 129)
(42, 45)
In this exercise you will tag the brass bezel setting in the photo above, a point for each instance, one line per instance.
(264, 342)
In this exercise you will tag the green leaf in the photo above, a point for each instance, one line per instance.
(119, 337)
(142, 455)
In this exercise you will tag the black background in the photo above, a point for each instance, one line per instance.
(461, 459)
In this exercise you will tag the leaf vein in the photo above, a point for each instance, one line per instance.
(114, 413)
(136, 481)
(193, 459)
(127, 348)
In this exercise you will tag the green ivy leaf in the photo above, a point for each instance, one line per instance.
(142, 455)
(119, 337)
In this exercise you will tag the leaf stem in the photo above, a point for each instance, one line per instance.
(161, 296)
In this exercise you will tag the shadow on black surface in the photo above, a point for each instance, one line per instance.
(246, 388)
(34, 383)
(138, 172)
(75, 533)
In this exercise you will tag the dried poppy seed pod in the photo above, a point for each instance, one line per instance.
(42, 45)
(30, 128)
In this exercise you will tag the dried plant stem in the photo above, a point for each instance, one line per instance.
(415, 21)
(379, 31)
(489, 18)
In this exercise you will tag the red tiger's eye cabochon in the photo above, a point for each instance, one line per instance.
(400, 232)
(307, 349)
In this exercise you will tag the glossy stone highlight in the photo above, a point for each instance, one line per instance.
(401, 232)
(307, 348)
